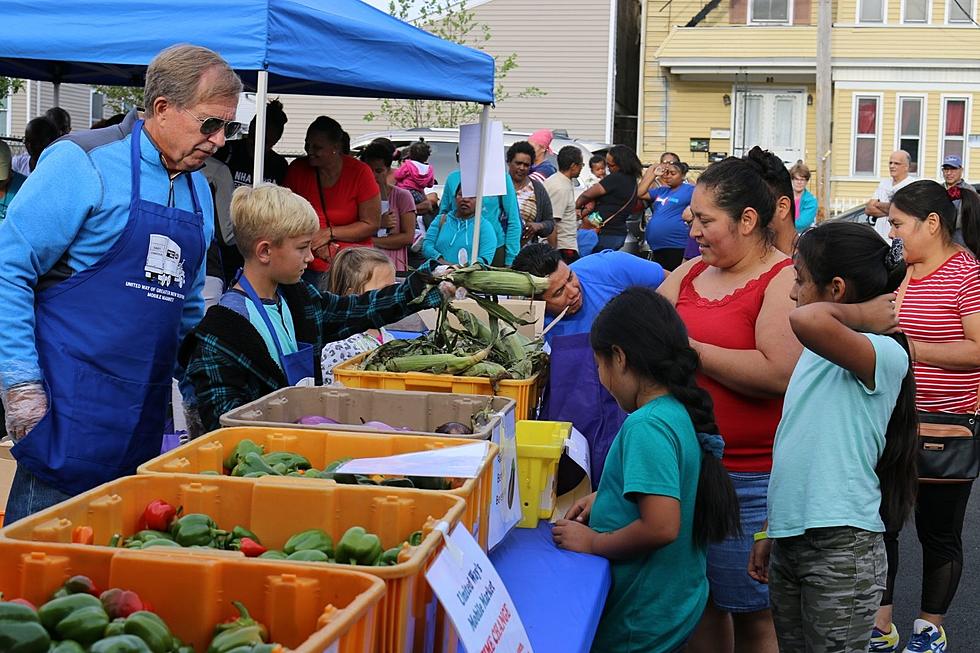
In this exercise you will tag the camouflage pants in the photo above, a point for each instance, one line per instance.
(825, 587)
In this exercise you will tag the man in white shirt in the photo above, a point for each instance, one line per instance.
(561, 191)
(877, 207)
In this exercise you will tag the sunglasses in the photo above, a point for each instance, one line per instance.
(212, 125)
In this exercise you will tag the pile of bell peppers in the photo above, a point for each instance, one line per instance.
(80, 619)
(249, 460)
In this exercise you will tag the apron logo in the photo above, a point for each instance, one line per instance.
(163, 262)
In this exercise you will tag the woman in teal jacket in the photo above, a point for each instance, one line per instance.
(450, 236)
(806, 203)
(502, 212)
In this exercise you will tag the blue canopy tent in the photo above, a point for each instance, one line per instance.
(318, 47)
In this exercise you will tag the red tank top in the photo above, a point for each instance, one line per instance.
(748, 424)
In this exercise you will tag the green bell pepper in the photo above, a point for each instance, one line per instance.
(344, 478)
(23, 637)
(151, 629)
(66, 646)
(115, 627)
(389, 557)
(159, 542)
(232, 639)
(195, 529)
(84, 625)
(313, 539)
(244, 620)
(358, 547)
(308, 555)
(292, 461)
(239, 452)
(272, 554)
(54, 611)
(120, 644)
(10, 611)
(416, 538)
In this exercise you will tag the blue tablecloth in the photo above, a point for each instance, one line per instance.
(559, 595)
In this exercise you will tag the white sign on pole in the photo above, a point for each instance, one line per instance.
(506, 509)
(469, 160)
(474, 596)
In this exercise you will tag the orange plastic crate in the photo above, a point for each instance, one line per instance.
(322, 447)
(409, 618)
(192, 593)
(525, 392)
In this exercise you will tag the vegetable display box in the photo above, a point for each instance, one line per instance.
(309, 610)
(276, 511)
(525, 392)
(539, 448)
(209, 454)
(418, 413)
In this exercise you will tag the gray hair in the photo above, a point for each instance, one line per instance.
(176, 73)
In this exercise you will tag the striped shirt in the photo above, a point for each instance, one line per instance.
(932, 311)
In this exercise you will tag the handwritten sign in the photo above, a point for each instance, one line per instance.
(475, 598)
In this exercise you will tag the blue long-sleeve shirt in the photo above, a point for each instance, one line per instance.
(445, 239)
(491, 213)
(71, 210)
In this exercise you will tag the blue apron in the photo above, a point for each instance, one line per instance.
(574, 394)
(298, 365)
(107, 341)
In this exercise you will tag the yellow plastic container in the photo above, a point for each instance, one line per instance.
(193, 593)
(525, 392)
(321, 447)
(539, 447)
(410, 619)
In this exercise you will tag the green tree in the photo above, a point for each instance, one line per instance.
(120, 99)
(452, 21)
(9, 86)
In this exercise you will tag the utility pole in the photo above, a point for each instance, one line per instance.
(824, 103)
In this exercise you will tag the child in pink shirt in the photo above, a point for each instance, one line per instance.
(415, 174)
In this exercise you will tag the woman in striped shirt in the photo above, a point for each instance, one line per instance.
(940, 314)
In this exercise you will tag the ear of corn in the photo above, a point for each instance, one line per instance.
(497, 281)
(437, 363)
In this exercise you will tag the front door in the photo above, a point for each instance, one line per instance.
(773, 120)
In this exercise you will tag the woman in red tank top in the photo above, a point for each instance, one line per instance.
(735, 301)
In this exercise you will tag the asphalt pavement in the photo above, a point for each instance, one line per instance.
(963, 619)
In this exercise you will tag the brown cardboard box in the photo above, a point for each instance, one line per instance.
(7, 468)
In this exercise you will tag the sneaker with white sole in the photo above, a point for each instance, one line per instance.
(926, 638)
(882, 642)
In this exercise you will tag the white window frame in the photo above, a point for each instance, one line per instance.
(8, 125)
(942, 130)
(901, 9)
(964, 23)
(884, 14)
(789, 16)
(855, 100)
(922, 127)
(91, 116)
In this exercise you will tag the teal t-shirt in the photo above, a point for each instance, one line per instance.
(657, 599)
(829, 441)
(282, 322)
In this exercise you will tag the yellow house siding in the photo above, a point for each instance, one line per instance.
(749, 41)
(846, 12)
(915, 44)
(695, 108)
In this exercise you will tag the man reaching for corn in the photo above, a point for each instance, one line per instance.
(580, 291)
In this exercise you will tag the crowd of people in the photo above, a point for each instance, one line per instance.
(751, 392)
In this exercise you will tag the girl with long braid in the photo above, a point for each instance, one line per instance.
(664, 494)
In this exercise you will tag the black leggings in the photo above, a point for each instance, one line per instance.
(939, 513)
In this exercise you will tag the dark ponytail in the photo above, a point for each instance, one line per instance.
(869, 267)
(776, 175)
(923, 197)
(654, 340)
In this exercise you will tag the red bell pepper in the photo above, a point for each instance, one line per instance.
(119, 603)
(157, 516)
(251, 548)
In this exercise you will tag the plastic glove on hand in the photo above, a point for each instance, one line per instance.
(24, 405)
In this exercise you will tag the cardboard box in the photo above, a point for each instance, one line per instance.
(530, 310)
(7, 468)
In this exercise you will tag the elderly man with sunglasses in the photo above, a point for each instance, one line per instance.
(101, 271)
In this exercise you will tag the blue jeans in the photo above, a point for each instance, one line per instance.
(609, 241)
(29, 495)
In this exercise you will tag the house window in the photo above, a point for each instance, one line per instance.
(866, 122)
(959, 11)
(910, 116)
(871, 11)
(769, 11)
(915, 11)
(4, 115)
(954, 127)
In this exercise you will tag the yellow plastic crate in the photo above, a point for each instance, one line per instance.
(539, 447)
(525, 392)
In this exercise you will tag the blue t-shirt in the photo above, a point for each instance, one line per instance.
(656, 599)
(666, 229)
(602, 276)
(828, 443)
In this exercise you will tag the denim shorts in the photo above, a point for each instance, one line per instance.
(732, 589)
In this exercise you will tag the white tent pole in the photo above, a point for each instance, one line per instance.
(480, 171)
(258, 169)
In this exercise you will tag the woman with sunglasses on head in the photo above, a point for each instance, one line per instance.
(342, 190)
